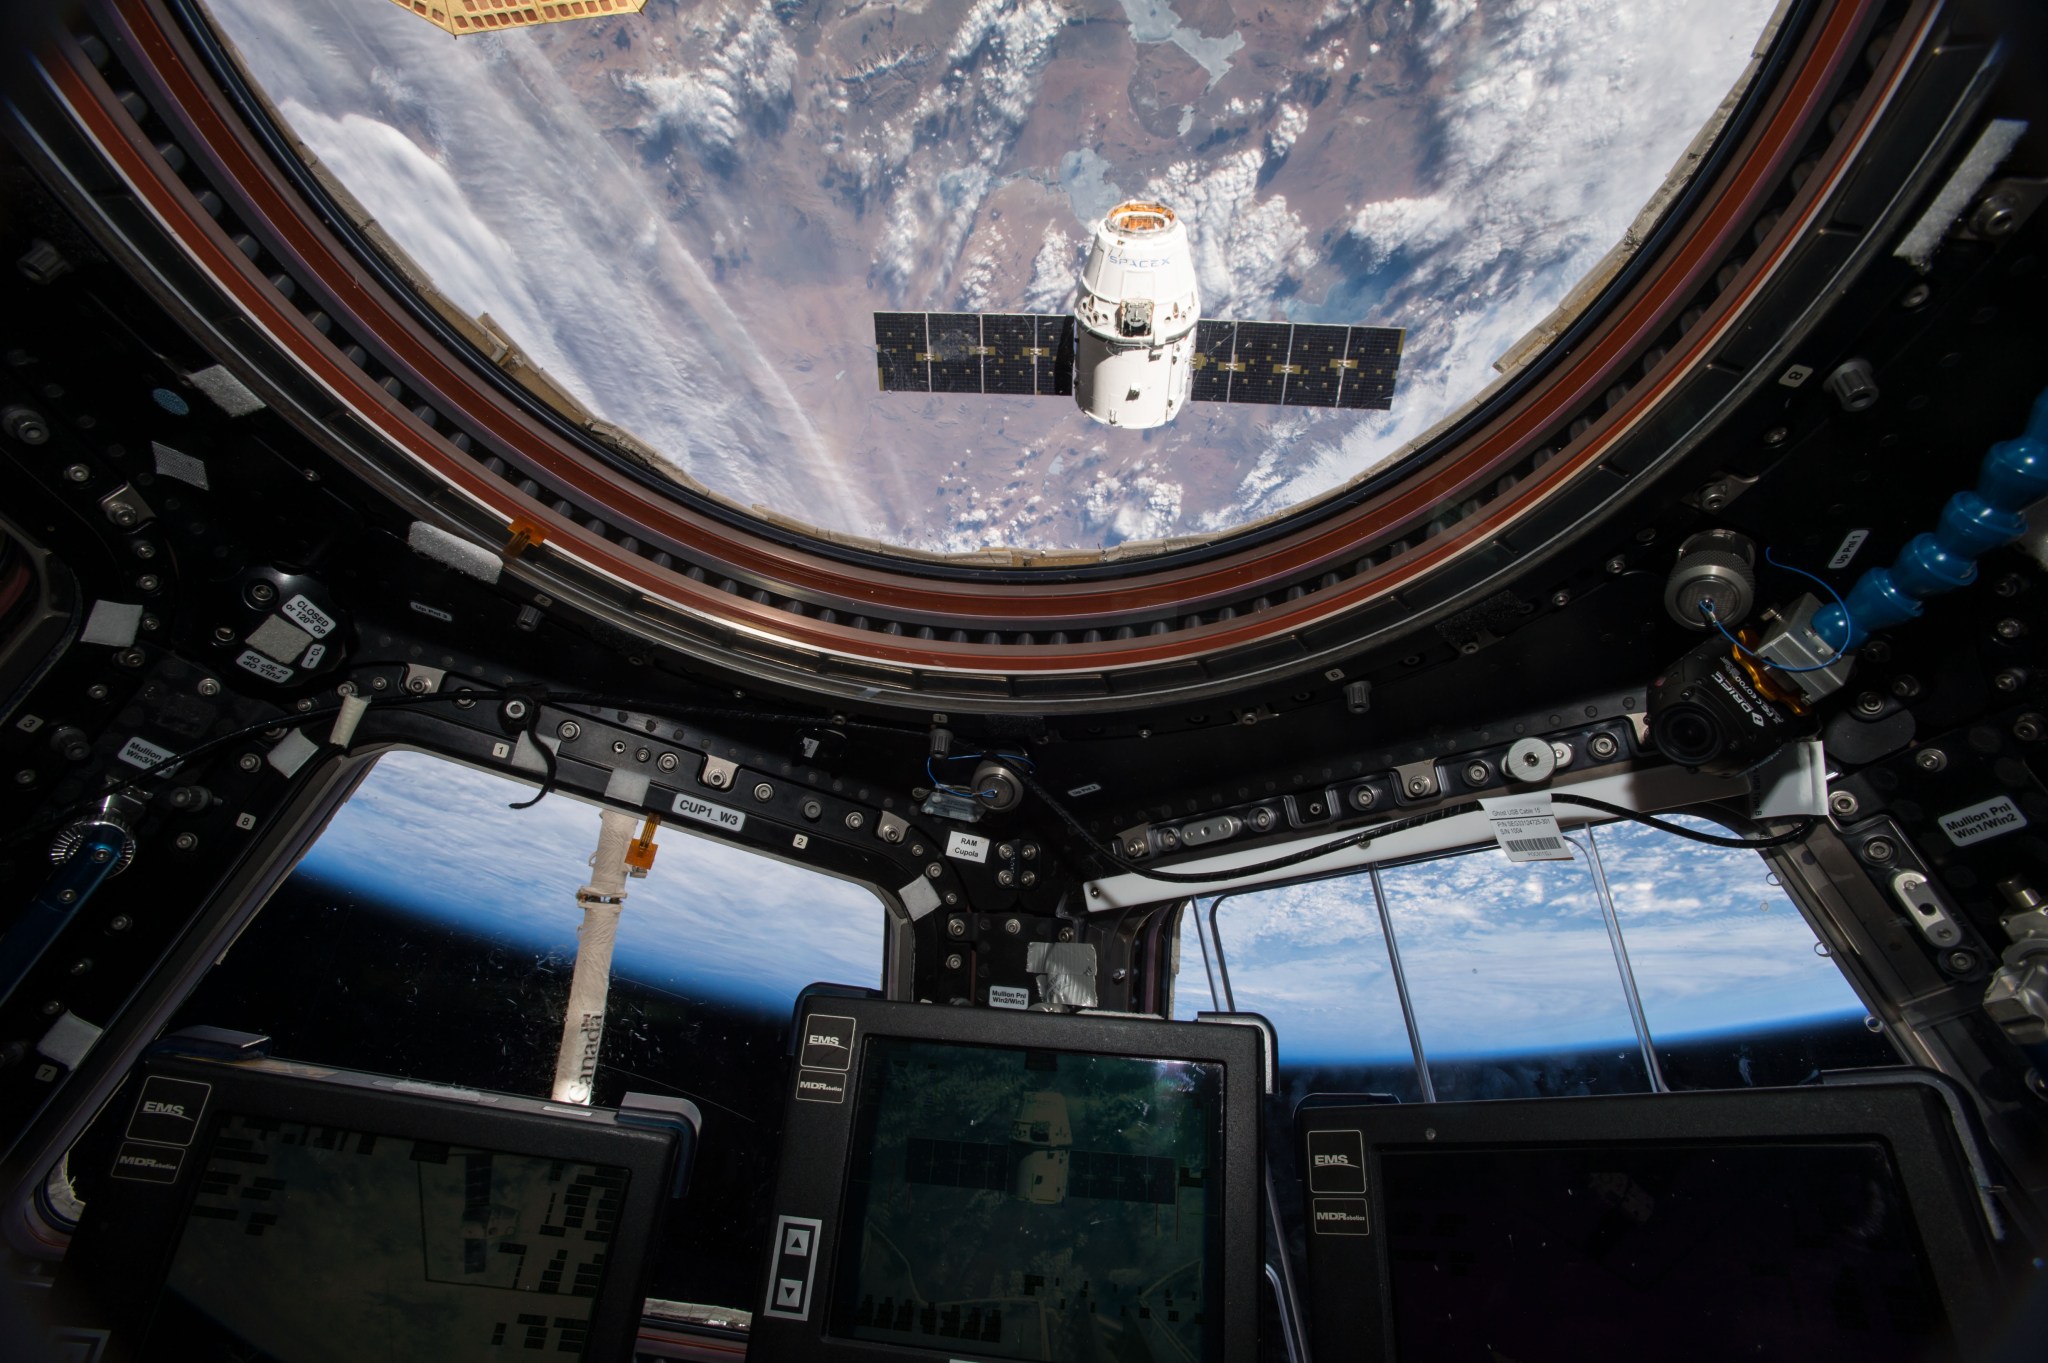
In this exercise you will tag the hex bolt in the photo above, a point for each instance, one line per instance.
(1617, 565)
(956, 927)
(1030, 851)
(1870, 703)
(1006, 851)
(384, 684)
(891, 833)
(855, 819)
(78, 473)
(1006, 877)
(1365, 797)
(1930, 760)
(954, 961)
(1602, 746)
(1842, 804)
(418, 685)
(209, 686)
(148, 582)
(262, 593)
(185, 842)
(567, 730)
(2010, 680)
(1854, 385)
(1134, 847)
(1066, 934)
(1879, 850)
(1962, 962)
(1012, 926)
(934, 871)
(2009, 628)
(1262, 819)
(1419, 785)
(1028, 879)
(2029, 727)
(250, 762)
(1996, 214)
(668, 761)
(1477, 773)
(1169, 839)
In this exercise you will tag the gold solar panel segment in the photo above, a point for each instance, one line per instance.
(464, 17)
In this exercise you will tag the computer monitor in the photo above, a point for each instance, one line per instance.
(1793, 1224)
(260, 1209)
(981, 1184)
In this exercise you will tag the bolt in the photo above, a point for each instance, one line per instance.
(97, 691)
(1477, 773)
(952, 898)
(891, 833)
(120, 922)
(764, 792)
(1365, 797)
(1012, 926)
(303, 704)
(209, 686)
(262, 593)
(78, 473)
(1418, 785)
(1879, 850)
(24, 425)
(417, 685)
(249, 762)
(1030, 851)
(1602, 746)
(1028, 879)
(1119, 974)
(515, 710)
(384, 684)
(668, 761)
(2009, 628)
(185, 842)
(1135, 847)
(1996, 215)
(567, 730)
(934, 871)
(1870, 703)
(1906, 688)
(956, 927)
(1962, 962)
(101, 854)
(855, 819)
(1006, 851)
(1006, 877)
(25, 777)
(2012, 679)
(1169, 839)
(1617, 564)
(618, 747)
(1930, 759)
(1560, 598)
(813, 810)
(148, 582)
(2010, 585)
(2029, 727)
(1262, 819)
(1776, 436)
(1915, 297)
(953, 961)
(66, 896)
(1842, 803)
(82, 965)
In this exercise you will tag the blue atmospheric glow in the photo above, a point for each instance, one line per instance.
(434, 839)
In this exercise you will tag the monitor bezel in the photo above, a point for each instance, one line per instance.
(812, 1178)
(115, 1270)
(1347, 1319)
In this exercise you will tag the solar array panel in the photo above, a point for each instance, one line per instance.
(1019, 353)
(1298, 365)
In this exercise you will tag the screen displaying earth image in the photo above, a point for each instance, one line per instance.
(686, 218)
(1027, 1204)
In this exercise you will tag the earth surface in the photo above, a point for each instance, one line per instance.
(687, 217)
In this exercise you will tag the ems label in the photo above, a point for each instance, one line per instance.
(1525, 826)
(168, 1111)
(1991, 819)
(703, 811)
(140, 752)
(1336, 1162)
(1008, 996)
(252, 661)
(966, 846)
(307, 617)
(828, 1043)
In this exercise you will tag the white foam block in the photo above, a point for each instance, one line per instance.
(175, 463)
(113, 623)
(292, 752)
(229, 393)
(452, 551)
(627, 787)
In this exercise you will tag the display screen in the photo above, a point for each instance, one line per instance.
(1010, 1203)
(1684, 1251)
(320, 1244)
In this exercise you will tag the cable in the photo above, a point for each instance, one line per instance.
(1798, 831)
(1707, 613)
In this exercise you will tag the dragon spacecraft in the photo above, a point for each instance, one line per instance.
(1136, 348)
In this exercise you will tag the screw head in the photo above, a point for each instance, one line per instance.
(1028, 879)
(1005, 851)
(262, 593)
(1869, 703)
(1006, 877)
(120, 922)
(25, 777)
(78, 473)
(1962, 962)
(1365, 797)
(855, 819)
(1560, 598)
(97, 691)
(1776, 436)
(668, 761)
(953, 960)
(1915, 297)
(1134, 847)
(1616, 565)
(1066, 934)
(209, 686)
(567, 730)
(148, 582)
(1012, 926)
(1602, 746)
(2029, 727)
(891, 833)
(185, 842)
(764, 792)
(2009, 628)
(514, 709)
(812, 809)
(1842, 803)
(934, 870)
(1879, 850)
(250, 761)
(956, 927)
(2010, 680)
(1930, 759)
(1906, 688)
(417, 685)
(1418, 785)
(1477, 773)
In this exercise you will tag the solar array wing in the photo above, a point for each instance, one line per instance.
(1018, 353)
(1296, 365)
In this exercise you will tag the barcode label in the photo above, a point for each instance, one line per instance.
(1525, 826)
(1532, 844)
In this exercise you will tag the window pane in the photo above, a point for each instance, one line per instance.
(1513, 979)
(1727, 969)
(1311, 959)
(431, 932)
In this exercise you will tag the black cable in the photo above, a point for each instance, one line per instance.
(1367, 835)
(1798, 830)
